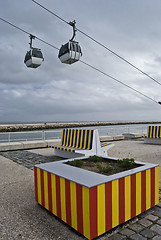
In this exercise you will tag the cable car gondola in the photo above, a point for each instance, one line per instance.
(71, 51)
(34, 56)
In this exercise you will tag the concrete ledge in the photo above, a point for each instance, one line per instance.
(11, 146)
(26, 145)
(118, 137)
(106, 138)
(52, 142)
(133, 135)
(33, 144)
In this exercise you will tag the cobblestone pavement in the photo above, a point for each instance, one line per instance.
(145, 226)
(28, 159)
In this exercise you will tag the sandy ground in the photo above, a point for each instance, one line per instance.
(139, 151)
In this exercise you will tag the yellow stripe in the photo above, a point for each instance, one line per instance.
(138, 193)
(101, 208)
(89, 139)
(127, 198)
(86, 215)
(78, 138)
(85, 139)
(81, 140)
(148, 189)
(150, 131)
(74, 138)
(62, 199)
(53, 188)
(115, 203)
(39, 186)
(156, 185)
(46, 190)
(157, 131)
(153, 136)
(73, 204)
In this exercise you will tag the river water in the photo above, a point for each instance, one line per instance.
(56, 133)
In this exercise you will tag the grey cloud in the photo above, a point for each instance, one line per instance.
(57, 92)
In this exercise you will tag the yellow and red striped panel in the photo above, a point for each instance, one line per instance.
(93, 211)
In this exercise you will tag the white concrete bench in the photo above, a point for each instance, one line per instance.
(80, 142)
(153, 135)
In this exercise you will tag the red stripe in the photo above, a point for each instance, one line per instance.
(143, 191)
(68, 201)
(121, 200)
(152, 187)
(108, 205)
(133, 195)
(93, 212)
(35, 178)
(79, 208)
(58, 202)
(49, 192)
(42, 188)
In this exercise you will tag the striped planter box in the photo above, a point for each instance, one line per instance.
(92, 203)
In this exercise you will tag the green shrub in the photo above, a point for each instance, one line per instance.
(106, 169)
(94, 158)
(76, 163)
(126, 162)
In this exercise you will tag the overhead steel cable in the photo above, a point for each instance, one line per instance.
(22, 30)
(99, 43)
(14, 26)
(96, 69)
(115, 79)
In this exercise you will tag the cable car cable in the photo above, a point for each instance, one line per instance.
(15, 26)
(22, 30)
(98, 70)
(102, 45)
(115, 79)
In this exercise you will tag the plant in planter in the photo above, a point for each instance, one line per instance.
(102, 165)
(104, 170)
(126, 162)
(94, 203)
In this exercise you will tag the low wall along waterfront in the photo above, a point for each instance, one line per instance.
(43, 126)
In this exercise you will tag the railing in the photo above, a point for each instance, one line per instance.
(29, 136)
(56, 134)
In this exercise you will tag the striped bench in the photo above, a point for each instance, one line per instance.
(153, 135)
(80, 142)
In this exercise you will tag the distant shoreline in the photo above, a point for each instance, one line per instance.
(45, 126)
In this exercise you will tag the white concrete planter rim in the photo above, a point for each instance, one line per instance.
(87, 178)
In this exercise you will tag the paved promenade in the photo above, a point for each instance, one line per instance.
(22, 218)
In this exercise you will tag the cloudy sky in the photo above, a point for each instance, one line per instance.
(61, 92)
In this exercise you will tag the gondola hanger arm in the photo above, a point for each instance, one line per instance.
(74, 29)
(31, 37)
